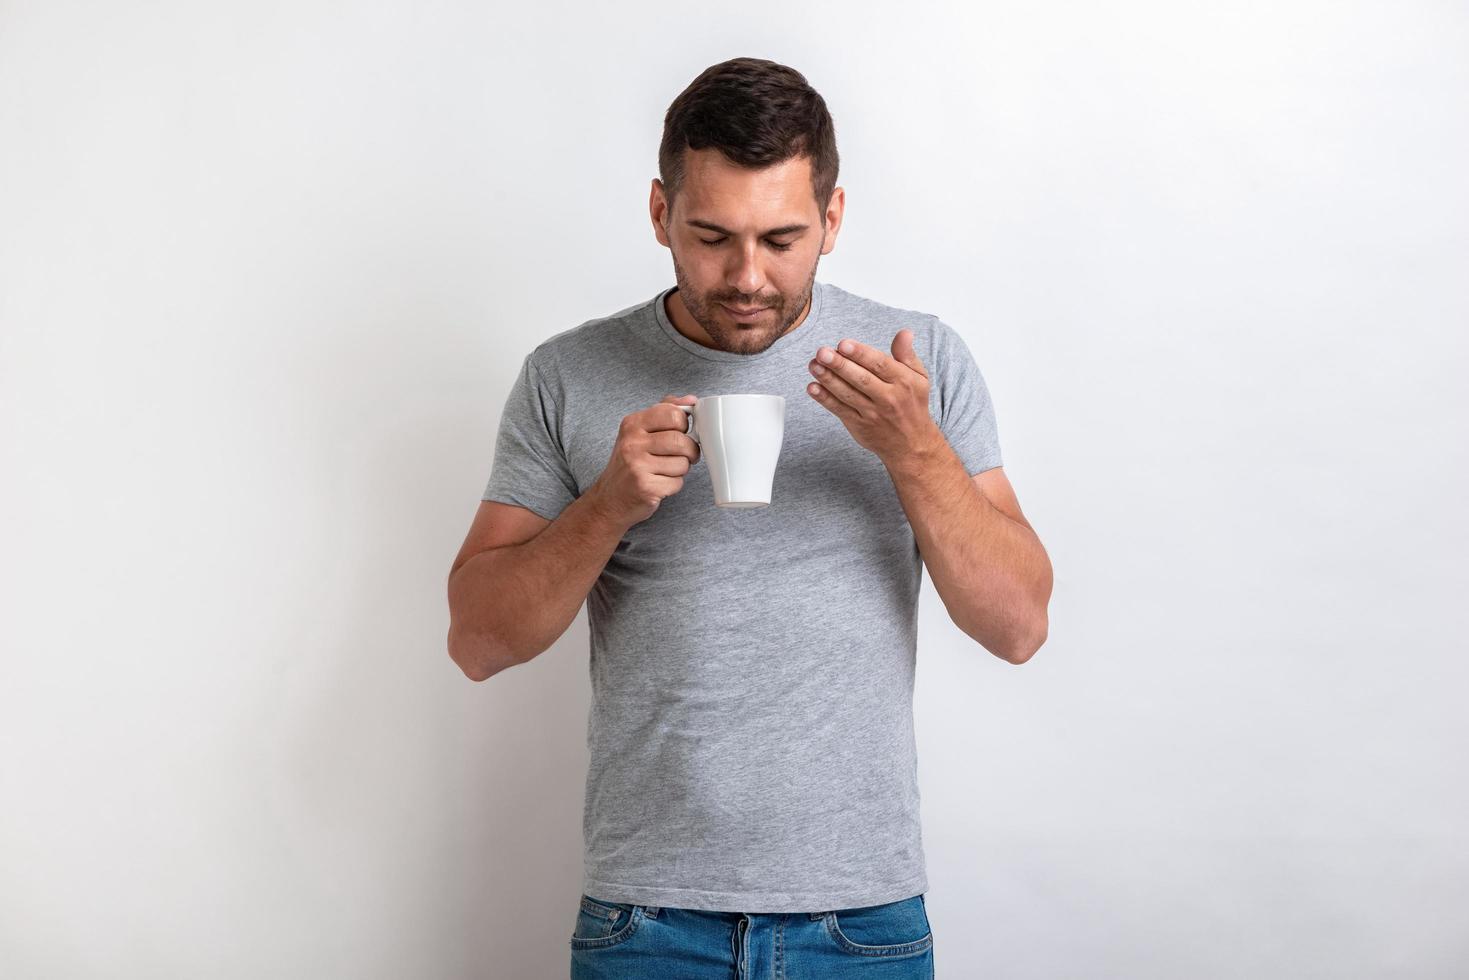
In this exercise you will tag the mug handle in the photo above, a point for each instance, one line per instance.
(688, 410)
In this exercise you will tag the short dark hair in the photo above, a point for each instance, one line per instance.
(757, 113)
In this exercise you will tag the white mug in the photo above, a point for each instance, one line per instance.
(739, 437)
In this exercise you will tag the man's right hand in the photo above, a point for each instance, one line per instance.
(651, 456)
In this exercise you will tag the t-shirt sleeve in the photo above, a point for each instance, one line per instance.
(530, 468)
(966, 416)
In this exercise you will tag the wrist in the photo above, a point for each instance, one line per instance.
(602, 510)
(920, 453)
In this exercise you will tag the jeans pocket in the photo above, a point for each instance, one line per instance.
(896, 929)
(601, 924)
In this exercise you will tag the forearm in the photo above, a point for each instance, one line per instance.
(508, 605)
(991, 572)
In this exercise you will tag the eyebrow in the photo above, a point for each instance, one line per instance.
(711, 226)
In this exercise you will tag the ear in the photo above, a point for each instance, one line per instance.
(658, 213)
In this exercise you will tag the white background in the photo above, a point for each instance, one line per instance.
(270, 268)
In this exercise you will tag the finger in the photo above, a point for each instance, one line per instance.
(839, 388)
(665, 416)
(853, 374)
(832, 403)
(870, 359)
(665, 443)
(904, 353)
(671, 464)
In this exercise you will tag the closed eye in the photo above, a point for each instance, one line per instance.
(775, 245)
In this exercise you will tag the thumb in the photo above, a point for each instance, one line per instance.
(903, 351)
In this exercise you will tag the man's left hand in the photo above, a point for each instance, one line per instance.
(882, 400)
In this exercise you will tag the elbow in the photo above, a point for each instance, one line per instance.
(1015, 648)
(473, 646)
(470, 666)
(472, 670)
(1022, 653)
(478, 660)
(1041, 624)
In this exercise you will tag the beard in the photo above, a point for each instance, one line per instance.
(744, 338)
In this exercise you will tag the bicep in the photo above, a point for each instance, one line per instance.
(498, 525)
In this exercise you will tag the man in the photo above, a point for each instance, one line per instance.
(752, 799)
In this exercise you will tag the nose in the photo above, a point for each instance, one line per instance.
(747, 278)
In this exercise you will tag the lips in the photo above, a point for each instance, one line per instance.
(735, 309)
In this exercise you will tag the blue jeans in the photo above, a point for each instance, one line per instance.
(618, 941)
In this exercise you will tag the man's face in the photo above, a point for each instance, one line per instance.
(744, 238)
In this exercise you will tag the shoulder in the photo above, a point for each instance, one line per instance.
(579, 351)
(933, 339)
(845, 304)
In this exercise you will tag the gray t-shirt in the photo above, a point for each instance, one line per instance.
(751, 725)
